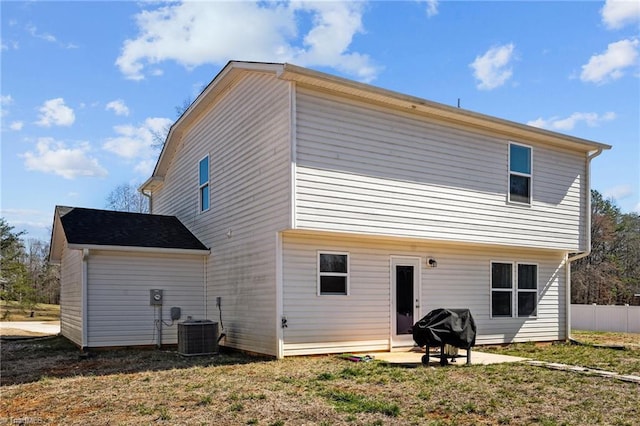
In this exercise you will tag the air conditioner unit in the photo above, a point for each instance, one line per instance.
(197, 337)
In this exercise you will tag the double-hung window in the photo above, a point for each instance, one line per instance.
(514, 291)
(203, 176)
(333, 273)
(519, 173)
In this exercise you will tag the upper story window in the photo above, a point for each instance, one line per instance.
(519, 173)
(203, 173)
(509, 300)
(333, 273)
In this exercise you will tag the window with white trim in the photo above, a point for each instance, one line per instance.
(519, 173)
(514, 291)
(333, 273)
(203, 180)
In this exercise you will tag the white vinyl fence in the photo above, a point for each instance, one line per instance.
(624, 319)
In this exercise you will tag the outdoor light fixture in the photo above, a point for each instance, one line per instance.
(432, 263)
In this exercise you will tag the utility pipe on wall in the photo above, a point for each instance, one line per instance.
(85, 298)
(587, 252)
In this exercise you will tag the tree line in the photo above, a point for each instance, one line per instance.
(610, 275)
(26, 275)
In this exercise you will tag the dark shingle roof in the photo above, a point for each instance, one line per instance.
(111, 228)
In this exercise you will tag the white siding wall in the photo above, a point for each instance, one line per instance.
(118, 290)
(361, 321)
(246, 134)
(368, 170)
(71, 295)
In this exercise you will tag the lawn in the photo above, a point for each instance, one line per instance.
(45, 381)
(13, 311)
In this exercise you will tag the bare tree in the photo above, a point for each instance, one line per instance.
(611, 273)
(160, 136)
(127, 198)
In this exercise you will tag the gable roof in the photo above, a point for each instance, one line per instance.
(288, 72)
(107, 229)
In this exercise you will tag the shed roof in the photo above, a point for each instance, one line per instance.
(92, 228)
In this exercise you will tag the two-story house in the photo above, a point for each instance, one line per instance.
(336, 214)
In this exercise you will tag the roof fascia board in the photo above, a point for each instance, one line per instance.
(57, 241)
(136, 249)
(151, 184)
(329, 82)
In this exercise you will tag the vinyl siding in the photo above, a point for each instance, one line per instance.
(362, 321)
(246, 133)
(71, 295)
(366, 169)
(119, 309)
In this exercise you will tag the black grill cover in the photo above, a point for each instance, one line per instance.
(454, 327)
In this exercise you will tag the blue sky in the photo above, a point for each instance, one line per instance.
(87, 86)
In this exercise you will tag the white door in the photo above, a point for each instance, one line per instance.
(405, 299)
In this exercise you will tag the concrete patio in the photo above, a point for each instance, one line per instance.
(29, 328)
(412, 357)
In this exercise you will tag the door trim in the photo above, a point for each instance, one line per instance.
(404, 340)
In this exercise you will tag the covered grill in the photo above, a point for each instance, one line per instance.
(440, 327)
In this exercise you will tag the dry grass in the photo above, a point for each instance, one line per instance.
(622, 358)
(631, 340)
(46, 381)
(13, 311)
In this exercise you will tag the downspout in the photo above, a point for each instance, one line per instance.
(587, 252)
(148, 195)
(85, 298)
(204, 273)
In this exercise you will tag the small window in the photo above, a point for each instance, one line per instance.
(519, 173)
(333, 273)
(204, 184)
(509, 300)
(501, 289)
(527, 290)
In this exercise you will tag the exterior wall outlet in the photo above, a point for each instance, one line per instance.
(175, 313)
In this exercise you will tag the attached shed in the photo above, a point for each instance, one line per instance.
(110, 263)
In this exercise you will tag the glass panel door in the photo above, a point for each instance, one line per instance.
(404, 299)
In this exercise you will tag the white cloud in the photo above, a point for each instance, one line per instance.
(618, 13)
(610, 64)
(196, 33)
(8, 45)
(55, 112)
(28, 218)
(138, 142)
(118, 107)
(493, 68)
(591, 119)
(31, 29)
(432, 7)
(145, 167)
(5, 101)
(16, 125)
(618, 192)
(49, 38)
(56, 158)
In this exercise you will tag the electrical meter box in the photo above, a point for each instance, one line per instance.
(155, 296)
